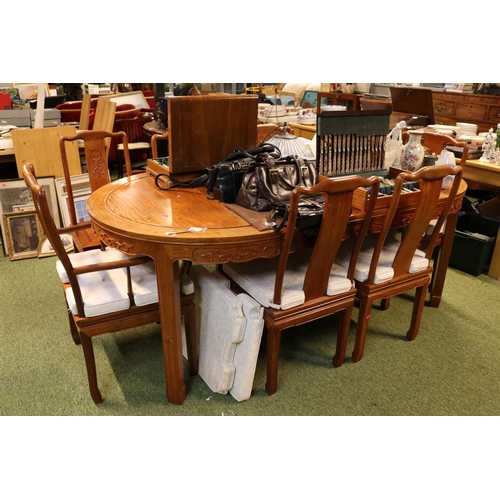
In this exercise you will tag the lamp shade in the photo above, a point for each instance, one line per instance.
(290, 144)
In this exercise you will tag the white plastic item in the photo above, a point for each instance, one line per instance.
(394, 146)
(230, 329)
(221, 325)
(446, 158)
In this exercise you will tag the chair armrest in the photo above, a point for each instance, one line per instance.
(106, 266)
(72, 229)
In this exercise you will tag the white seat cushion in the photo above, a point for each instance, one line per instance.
(144, 286)
(95, 256)
(102, 292)
(384, 271)
(257, 277)
(113, 297)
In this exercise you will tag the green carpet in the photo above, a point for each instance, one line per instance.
(450, 369)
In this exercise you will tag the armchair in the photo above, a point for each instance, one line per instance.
(132, 122)
(107, 291)
(96, 155)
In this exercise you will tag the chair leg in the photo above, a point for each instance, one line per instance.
(273, 353)
(88, 352)
(418, 307)
(119, 162)
(385, 304)
(73, 329)
(342, 334)
(365, 307)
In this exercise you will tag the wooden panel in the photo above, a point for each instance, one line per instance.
(483, 110)
(472, 110)
(203, 130)
(40, 146)
(494, 114)
(84, 116)
(104, 115)
(444, 107)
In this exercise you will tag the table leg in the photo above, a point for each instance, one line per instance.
(167, 273)
(442, 261)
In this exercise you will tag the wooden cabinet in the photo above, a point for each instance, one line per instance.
(450, 108)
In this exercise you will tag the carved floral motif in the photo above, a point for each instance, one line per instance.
(222, 255)
(96, 163)
(115, 243)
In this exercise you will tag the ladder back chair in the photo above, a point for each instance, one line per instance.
(138, 141)
(107, 291)
(390, 263)
(299, 287)
(435, 143)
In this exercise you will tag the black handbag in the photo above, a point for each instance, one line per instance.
(309, 215)
(224, 179)
(269, 182)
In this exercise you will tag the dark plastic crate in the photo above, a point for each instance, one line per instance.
(474, 242)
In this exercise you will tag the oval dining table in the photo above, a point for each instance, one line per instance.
(136, 217)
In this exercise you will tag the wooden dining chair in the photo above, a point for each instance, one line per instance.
(299, 287)
(154, 143)
(96, 156)
(390, 263)
(138, 141)
(435, 143)
(107, 291)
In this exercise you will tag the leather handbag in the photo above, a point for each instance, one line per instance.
(224, 179)
(309, 215)
(269, 182)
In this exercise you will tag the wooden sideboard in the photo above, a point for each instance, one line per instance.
(451, 107)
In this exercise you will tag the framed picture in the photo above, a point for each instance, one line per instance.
(136, 98)
(45, 248)
(30, 90)
(22, 234)
(15, 196)
(80, 185)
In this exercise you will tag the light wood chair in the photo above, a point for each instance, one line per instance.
(299, 287)
(391, 264)
(96, 155)
(154, 143)
(107, 291)
(137, 139)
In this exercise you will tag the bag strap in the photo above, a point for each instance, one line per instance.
(199, 181)
(284, 220)
(264, 149)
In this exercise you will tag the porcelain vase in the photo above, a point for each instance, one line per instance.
(413, 152)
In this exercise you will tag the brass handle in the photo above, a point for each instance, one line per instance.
(440, 107)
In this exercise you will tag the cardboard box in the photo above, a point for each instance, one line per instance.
(51, 117)
(17, 117)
